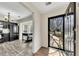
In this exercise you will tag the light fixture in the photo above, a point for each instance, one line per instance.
(6, 30)
(7, 17)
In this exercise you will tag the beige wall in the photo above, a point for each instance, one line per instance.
(44, 24)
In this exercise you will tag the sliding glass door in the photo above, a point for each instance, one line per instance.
(61, 31)
(56, 32)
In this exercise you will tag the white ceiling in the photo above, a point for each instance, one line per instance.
(43, 8)
(16, 10)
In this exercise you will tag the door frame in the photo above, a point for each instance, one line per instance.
(74, 28)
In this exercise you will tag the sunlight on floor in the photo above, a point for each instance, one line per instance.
(56, 52)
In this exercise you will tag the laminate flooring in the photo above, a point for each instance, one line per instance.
(49, 52)
(15, 48)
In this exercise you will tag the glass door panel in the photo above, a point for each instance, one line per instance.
(56, 32)
(69, 34)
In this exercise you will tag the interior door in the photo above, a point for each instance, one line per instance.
(69, 30)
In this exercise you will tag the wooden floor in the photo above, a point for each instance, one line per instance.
(42, 52)
(49, 52)
(15, 48)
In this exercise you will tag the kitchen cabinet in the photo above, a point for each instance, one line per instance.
(8, 32)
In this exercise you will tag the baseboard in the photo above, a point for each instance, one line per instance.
(36, 51)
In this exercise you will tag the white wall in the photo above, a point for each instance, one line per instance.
(44, 24)
(37, 32)
(77, 29)
(20, 32)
